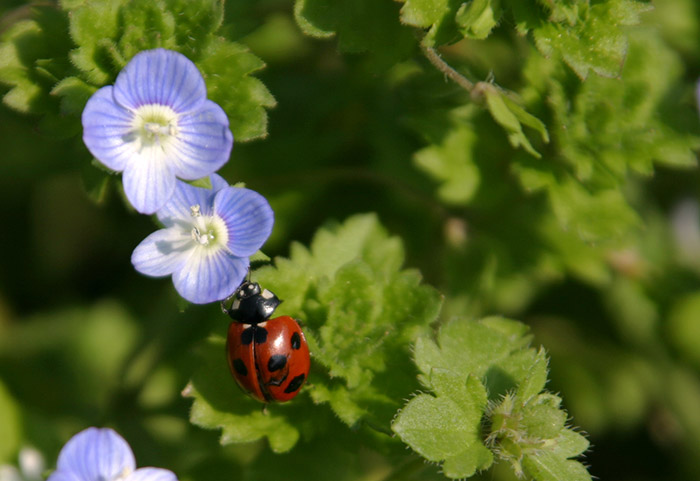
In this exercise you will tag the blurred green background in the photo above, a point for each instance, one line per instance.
(85, 340)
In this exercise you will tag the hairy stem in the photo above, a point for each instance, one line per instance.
(434, 58)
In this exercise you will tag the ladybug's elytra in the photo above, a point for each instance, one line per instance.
(269, 358)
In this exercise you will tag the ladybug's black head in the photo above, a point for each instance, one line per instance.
(252, 304)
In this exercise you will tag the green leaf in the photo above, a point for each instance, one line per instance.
(450, 160)
(595, 40)
(227, 69)
(536, 378)
(570, 444)
(592, 216)
(93, 26)
(74, 94)
(33, 55)
(478, 18)
(438, 16)
(360, 312)
(143, 25)
(361, 26)
(612, 127)
(197, 21)
(492, 344)
(523, 421)
(204, 182)
(511, 116)
(545, 466)
(447, 427)
(447, 21)
(542, 416)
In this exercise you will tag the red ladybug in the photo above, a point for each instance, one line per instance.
(269, 358)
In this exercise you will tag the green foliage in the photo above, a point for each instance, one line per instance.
(588, 36)
(511, 116)
(219, 403)
(449, 158)
(226, 67)
(54, 76)
(359, 310)
(447, 20)
(472, 365)
(534, 159)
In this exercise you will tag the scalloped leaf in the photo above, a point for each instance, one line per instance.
(450, 159)
(447, 21)
(227, 69)
(467, 364)
(33, 55)
(447, 428)
(588, 36)
(360, 312)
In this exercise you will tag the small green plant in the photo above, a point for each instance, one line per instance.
(409, 177)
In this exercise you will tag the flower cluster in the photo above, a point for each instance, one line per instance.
(101, 454)
(156, 126)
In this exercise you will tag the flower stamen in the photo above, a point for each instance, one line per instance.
(154, 125)
(205, 230)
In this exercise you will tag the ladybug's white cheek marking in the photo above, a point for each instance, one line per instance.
(267, 294)
(246, 326)
(262, 324)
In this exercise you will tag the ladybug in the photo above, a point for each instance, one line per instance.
(269, 358)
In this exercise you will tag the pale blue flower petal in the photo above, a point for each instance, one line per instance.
(163, 252)
(61, 476)
(152, 474)
(248, 217)
(203, 142)
(95, 454)
(148, 181)
(156, 125)
(186, 196)
(106, 125)
(210, 275)
(161, 77)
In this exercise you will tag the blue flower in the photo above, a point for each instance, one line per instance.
(155, 125)
(102, 455)
(208, 238)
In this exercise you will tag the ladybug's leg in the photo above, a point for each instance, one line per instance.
(225, 309)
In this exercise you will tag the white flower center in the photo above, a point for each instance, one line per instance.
(208, 231)
(153, 126)
(126, 472)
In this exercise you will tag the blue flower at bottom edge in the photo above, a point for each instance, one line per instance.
(208, 238)
(100, 454)
(155, 125)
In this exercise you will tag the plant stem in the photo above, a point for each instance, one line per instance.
(434, 58)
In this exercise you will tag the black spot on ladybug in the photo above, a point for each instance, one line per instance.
(276, 362)
(260, 335)
(295, 383)
(240, 368)
(247, 336)
(277, 381)
(296, 341)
